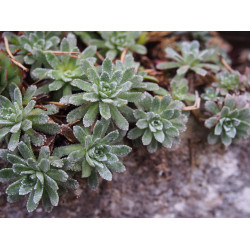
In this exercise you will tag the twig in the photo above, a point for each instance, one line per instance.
(73, 123)
(124, 52)
(99, 56)
(196, 104)
(225, 64)
(6, 43)
(57, 104)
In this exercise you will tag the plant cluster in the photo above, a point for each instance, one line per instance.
(191, 58)
(67, 119)
(112, 43)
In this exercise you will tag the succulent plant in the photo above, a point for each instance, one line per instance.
(191, 58)
(40, 178)
(227, 123)
(9, 73)
(114, 42)
(96, 152)
(107, 91)
(20, 115)
(32, 45)
(64, 68)
(159, 122)
(227, 82)
(179, 88)
(211, 94)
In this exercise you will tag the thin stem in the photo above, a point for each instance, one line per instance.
(6, 43)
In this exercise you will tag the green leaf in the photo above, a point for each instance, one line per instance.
(167, 65)
(104, 110)
(226, 140)
(156, 104)
(86, 169)
(56, 85)
(80, 134)
(104, 173)
(14, 139)
(66, 150)
(30, 92)
(31, 205)
(52, 60)
(91, 114)
(50, 128)
(142, 123)
(53, 195)
(44, 165)
(13, 189)
(183, 70)
(93, 180)
(49, 182)
(140, 49)
(147, 137)
(44, 153)
(135, 133)
(117, 166)
(83, 85)
(25, 151)
(107, 66)
(38, 192)
(58, 175)
(159, 136)
(30, 106)
(120, 121)
(120, 149)
(209, 123)
(18, 96)
(212, 107)
(109, 138)
(3, 133)
(76, 114)
(39, 73)
(88, 52)
(7, 175)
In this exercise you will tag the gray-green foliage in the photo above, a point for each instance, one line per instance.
(227, 123)
(159, 122)
(32, 45)
(20, 116)
(211, 94)
(114, 42)
(191, 58)
(39, 178)
(63, 69)
(180, 89)
(95, 153)
(227, 82)
(107, 91)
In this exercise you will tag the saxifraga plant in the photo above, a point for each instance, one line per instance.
(107, 91)
(20, 115)
(32, 45)
(114, 42)
(227, 82)
(40, 178)
(9, 73)
(229, 122)
(159, 122)
(191, 58)
(64, 69)
(96, 153)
